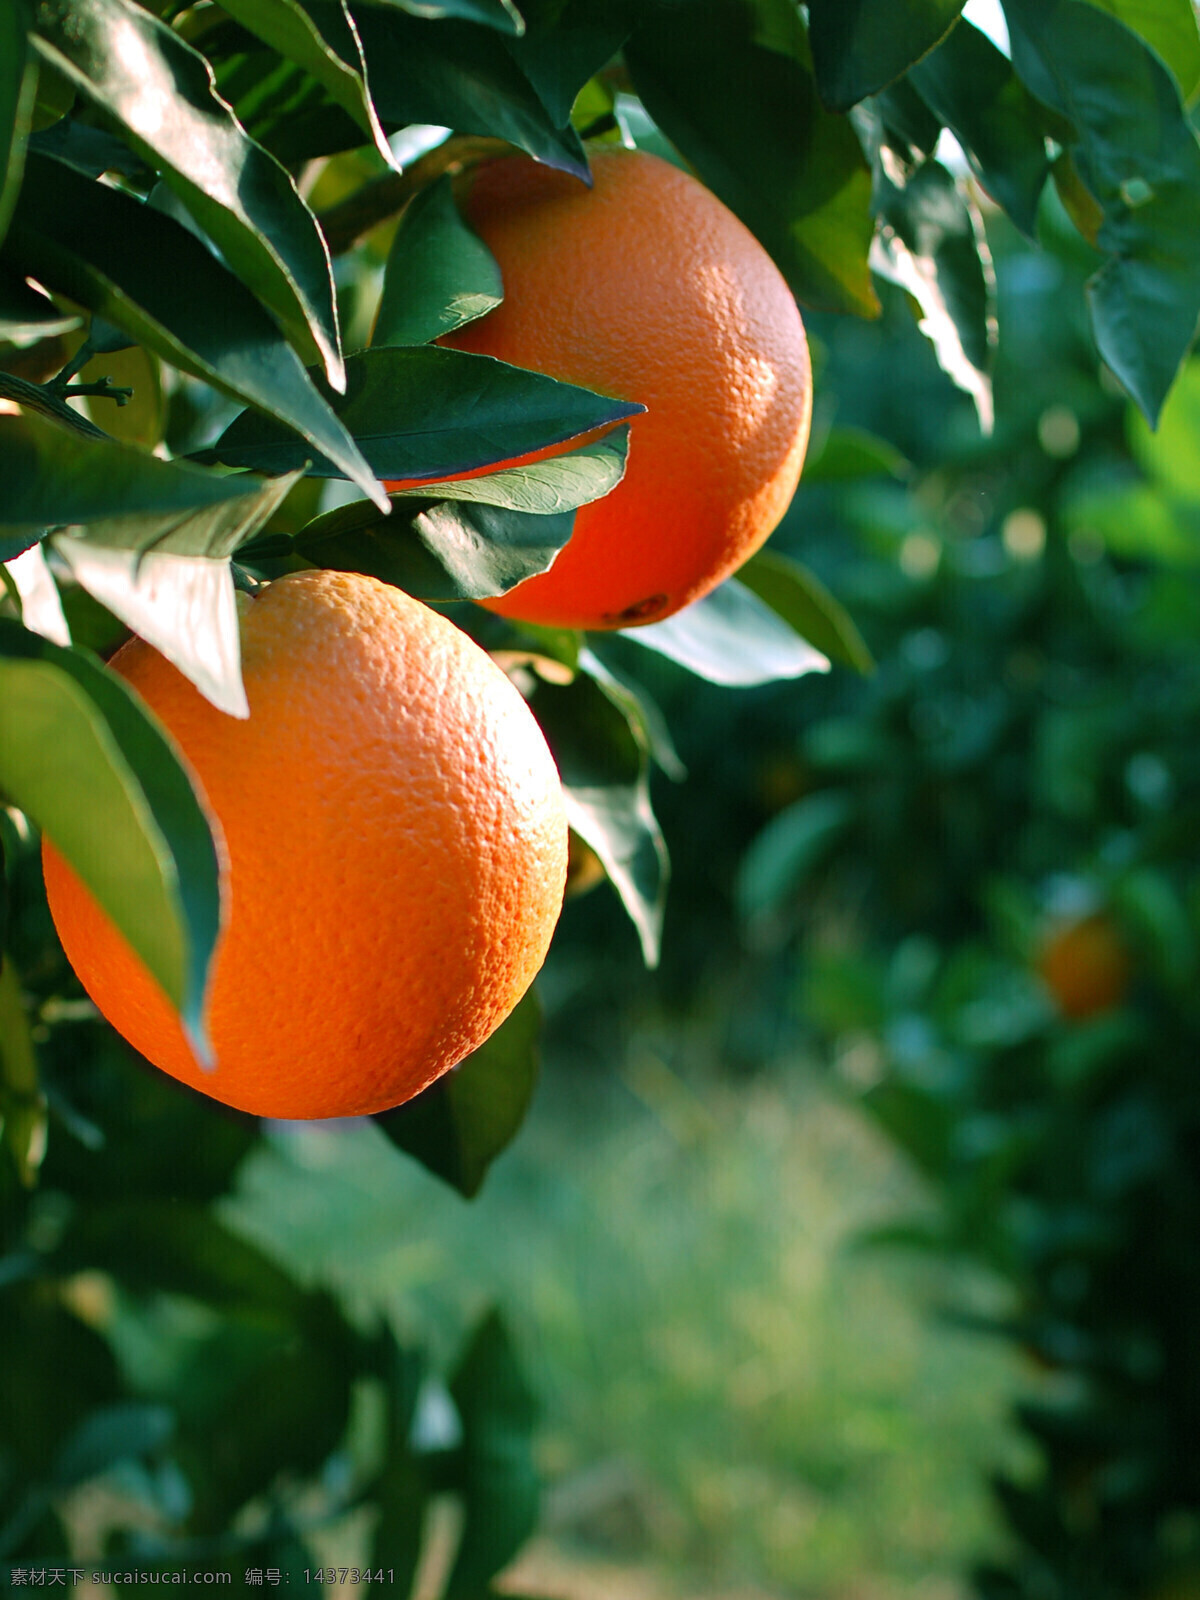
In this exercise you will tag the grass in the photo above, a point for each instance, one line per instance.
(733, 1395)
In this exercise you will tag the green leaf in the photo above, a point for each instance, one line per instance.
(1141, 522)
(852, 453)
(18, 91)
(1168, 27)
(1171, 454)
(452, 74)
(324, 41)
(161, 92)
(860, 46)
(971, 87)
(498, 1479)
(110, 1435)
(644, 716)
(806, 605)
(932, 245)
(142, 844)
(604, 770)
(425, 414)
(499, 14)
(147, 274)
(169, 579)
(439, 549)
(787, 851)
(22, 1103)
(460, 1124)
(1139, 158)
(485, 536)
(748, 118)
(439, 273)
(565, 44)
(53, 477)
(27, 315)
(731, 637)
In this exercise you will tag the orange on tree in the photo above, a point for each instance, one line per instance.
(396, 842)
(1085, 965)
(647, 288)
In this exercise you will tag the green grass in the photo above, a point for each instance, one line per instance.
(732, 1393)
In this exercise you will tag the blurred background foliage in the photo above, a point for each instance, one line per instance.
(854, 1247)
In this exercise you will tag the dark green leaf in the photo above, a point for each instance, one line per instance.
(401, 1497)
(731, 637)
(1139, 158)
(932, 245)
(142, 844)
(116, 1433)
(564, 44)
(439, 273)
(160, 90)
(147, 274)
(91, 150)
(859, 46)
(426, 414)
(645, 718)
(972, 88)
(461, 1123)
(921, 1125)
(806, 605)
(787, 850)
(852, 453)
(1170, 28)
(26, 315)
(453, 74)
(169, 579)
(438, 549)
(324, 41)
(499, 14)
(22, 1103)
(748, 118)
(53, 477)
(605, 782)
(498, 1480)
(18, 90)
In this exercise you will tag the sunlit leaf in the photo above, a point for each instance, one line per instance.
(425, 414)
(1170, 28)
(142, 844)
(26, 315)
(439, 273)
(324, 41)
(41, 606)
(169, 580)
(438, 549)
(160, 91)
(147, 274)
(932, 245)
(748, 118)
(859, 46)
(1138, 156)
(806, 605)
(460, 1124)
(732, 637)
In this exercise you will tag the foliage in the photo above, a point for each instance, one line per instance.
(209, 194)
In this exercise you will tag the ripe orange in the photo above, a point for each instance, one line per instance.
(647, 288)
(397, 846)
(1085, 966)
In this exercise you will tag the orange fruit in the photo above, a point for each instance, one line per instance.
(646, 288)
(397, 851)
(1085, 966)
